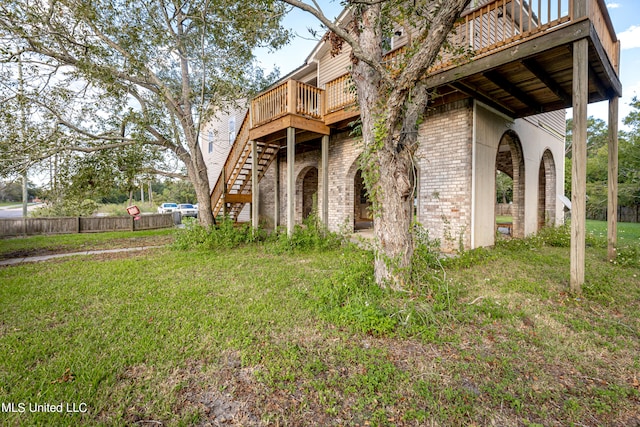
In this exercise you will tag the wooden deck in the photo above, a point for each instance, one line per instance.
(518, 60)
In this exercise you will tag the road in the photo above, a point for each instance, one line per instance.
(14, 211)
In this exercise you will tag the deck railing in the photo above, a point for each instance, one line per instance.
(290, 97)
(499, 23)
(494, 25)
(270, 104)
(309, 100)
(339, 93)
(606, 33)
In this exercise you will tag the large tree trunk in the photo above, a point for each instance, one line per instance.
(392, 220)
(197, 172)
(392, 99)
(389, 131)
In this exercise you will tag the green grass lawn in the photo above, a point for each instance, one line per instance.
(628, 233)
(60, 243)
(255, 335)
(501, 219)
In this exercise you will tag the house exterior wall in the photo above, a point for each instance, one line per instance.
(444, 174)
(268, 183)
(343, 154)
(216, 139)
(489, 128)
(330, 68)
(535, 141)
(456, 165)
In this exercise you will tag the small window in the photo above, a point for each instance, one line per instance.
(232, 130)
(211, 141)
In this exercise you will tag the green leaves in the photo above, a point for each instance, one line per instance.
(110, 74)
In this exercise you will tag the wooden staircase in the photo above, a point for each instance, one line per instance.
(233, 187)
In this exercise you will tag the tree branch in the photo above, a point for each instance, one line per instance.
(357, 51)
(164, 173)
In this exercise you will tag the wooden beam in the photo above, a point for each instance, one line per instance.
(287, 121)
(560, 37)
(503, 83)
(348, 112)
(291, 179)
(485, 99)
(597, 83)
(579, 163)
(311, 125)
(280, 138)
(255, 187)
(609, 69)
(237, 198)
(612, 217)
(540, 73)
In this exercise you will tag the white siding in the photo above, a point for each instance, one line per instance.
(332, 68)
(554, 122)
(220, 126)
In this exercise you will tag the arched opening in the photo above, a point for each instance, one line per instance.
(510, 162)
(546, 190)
(309, 192)
(363, 219)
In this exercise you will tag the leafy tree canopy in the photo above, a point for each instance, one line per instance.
(105, 74)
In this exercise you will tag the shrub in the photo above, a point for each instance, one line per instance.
(351, 297)
(67, 207)
(223, 235)
(312, 235)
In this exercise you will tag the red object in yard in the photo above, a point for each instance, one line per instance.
(133, 211)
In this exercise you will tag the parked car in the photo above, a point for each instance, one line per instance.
(167, 207)
(187, 209)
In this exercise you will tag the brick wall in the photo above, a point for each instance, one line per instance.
(444, 174)
(444, 167)
(343, 155)
(304, 163)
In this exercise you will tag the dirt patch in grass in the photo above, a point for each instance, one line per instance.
(212, 392)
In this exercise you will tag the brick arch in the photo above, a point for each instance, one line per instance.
(546, 190)
(349, 194)
(510, 160)
(306, 189)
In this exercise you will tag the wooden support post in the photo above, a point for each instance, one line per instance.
(579, 163)
(276, 192)
(291, 180)
(255, 189)
(291, 97)
(612, 229)
(224, 192)
(324, 211)
(580, 8)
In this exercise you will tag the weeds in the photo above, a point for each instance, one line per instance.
(306, 337)
(225, 235)
(310, 236)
